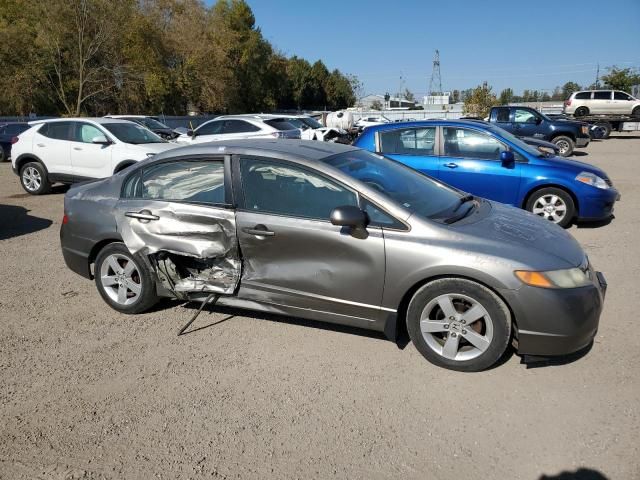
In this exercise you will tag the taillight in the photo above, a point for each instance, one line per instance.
(65, 219)
(277, 134)
(567, 102)
(14, 140)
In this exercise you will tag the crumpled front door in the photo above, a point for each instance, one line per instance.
(193, 248)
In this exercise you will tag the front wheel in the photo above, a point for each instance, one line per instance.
(565, 144)
(459, 324)
(552, 204)
(33, 178)
(636, 112)
(124, 280)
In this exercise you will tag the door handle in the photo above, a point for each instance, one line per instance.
(451, 165)
(41, 144)
(145, 216)
(259, 230)
(77, 148)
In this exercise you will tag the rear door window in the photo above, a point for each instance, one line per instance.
(280, 124)
(57, 130)
(410, 141)
(602, 95)
(239, 126)
(211, 128)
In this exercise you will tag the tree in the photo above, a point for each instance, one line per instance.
(621, 78)
(506, 96)
(480, 101)
(455, 96)
(339, 91)
(557, 94)
(409, 96)
(568, 88)
(376, 105)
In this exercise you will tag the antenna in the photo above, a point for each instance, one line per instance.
(435, 85)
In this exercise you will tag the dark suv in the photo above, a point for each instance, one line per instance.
(8, 132)
(528, 122)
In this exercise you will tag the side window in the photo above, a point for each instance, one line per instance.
(283, 189)
(583, 96)
(239, 126)
(524, 116)
(57, 130)
(211, 128)
(412, 141)
(186, 181)
(502, 115)
(621, 96)
(85, 132)
(602, 95)
(378, 217)
(465, 143)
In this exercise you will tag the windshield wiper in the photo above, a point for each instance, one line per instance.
(460, 216)
(462, 200)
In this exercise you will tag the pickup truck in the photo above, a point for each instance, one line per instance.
(528, 122)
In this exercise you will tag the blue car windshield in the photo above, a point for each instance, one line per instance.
(415, 191)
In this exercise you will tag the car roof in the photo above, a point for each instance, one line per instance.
(98, 120)
(303, 149)
(435, 121)
(129, 116)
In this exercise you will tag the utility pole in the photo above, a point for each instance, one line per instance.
(436, 80)
(598, 75)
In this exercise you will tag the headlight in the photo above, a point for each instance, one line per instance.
(570, 278)
(592, 179)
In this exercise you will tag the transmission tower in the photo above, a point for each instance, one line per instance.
(435, 85)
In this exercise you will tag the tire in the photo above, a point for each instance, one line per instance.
(606, 130)
(636, 112)
(565, 144)
(553, 204)
(124, 281)
(581, 112)
(3, 155)
(33, 178)
(449, 340)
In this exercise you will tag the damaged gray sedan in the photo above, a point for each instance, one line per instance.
(333, 233)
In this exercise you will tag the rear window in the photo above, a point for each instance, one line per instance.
(602, 95)
(280, 124)
(583, 96)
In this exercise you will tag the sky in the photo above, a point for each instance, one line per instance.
(536, 44)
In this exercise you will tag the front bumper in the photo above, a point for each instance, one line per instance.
(582, 142)
(596, 204)
(556, 321)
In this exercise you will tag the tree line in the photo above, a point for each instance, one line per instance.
(479, 100)
(95, 57)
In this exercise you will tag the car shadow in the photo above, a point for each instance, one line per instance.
(625, 137)
(598, 224)
(579, 474)
(16, 221)
(580, 154)
(555, 361)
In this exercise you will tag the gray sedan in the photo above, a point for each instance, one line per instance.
(333, 233)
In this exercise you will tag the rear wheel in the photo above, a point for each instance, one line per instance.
(552, 204)
(459, 324)
(124, 280)
(581, 111)
(565, 144)
(33, 178)
(606, 129)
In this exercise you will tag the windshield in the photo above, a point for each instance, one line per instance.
(132, 133)
(152, 123)
(416, 192)
(517, 142)
(298, 123)
(311, 122)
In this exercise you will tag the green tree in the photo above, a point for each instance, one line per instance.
(376, 105)
(506, 96)
(408, 95)
(621, 78)
(568, 88)
(480, 101)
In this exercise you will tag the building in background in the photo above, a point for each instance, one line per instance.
(443, 99)
(384, 102)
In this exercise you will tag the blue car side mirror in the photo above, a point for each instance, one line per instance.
(507, 158)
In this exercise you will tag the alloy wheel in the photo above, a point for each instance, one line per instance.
(121, 279)
(564, 146)
(550, 207)
(31, 179)
(456, 327)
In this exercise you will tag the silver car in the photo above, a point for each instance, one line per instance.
(334, 233)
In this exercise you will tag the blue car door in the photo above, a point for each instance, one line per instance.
(471, 162)
(413, 146)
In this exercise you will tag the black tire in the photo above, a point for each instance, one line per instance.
(3, 155)
(496, 309)
(636, 112)
(33, 178)
(142, 276)
(581, 112)
(606, 130)
(544, 194)
(565, 144)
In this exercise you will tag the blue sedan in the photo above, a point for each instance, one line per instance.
(489, 162)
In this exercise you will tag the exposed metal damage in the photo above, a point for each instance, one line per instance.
(192, 248)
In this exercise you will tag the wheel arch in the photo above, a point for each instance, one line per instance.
(122, 165)
(27, 158)
(95, 250)
(556, 134)
(534, 189)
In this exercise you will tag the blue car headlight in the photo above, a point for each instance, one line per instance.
(592, 179)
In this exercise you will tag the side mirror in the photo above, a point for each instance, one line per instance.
(349, 216)
(191, 133)
(538, 120)
(101, 140)
(507, 158)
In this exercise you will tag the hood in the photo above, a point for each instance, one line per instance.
(575, 164)
(524, 237)
(155, 148)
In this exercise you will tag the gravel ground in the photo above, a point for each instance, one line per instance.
(88, 393)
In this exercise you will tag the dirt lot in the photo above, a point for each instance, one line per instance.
(88, 393)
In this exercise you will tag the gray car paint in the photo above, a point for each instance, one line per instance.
(313, 269)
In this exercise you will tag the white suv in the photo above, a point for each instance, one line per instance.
(76, 149)
(233, 127)
(599, 102)
(312, 129)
